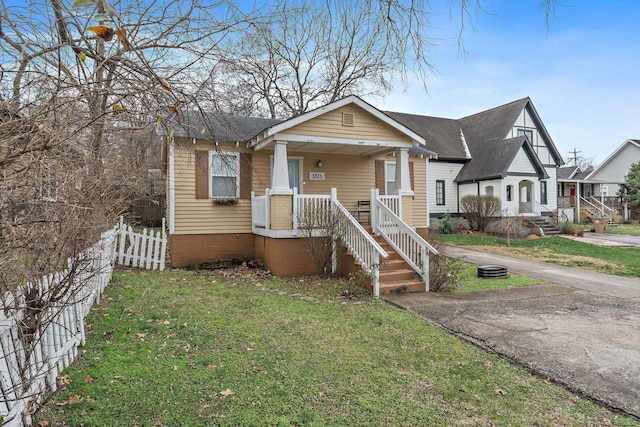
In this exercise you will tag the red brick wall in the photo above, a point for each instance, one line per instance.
(194, 249)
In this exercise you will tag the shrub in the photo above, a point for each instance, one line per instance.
(507, 227)
(443, 271)
(446, 226)
(567, 227)
(480, 210)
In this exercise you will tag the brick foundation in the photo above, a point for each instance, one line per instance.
(195, 249)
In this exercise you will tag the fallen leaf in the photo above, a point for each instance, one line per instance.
(73, 399)
(206, 405)
(63, 379)
(88, 379)
(211, 367)
(43, 423)
(175, 367)
(500, 392)
(226, 393)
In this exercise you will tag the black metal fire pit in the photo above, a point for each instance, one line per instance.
(492, 271)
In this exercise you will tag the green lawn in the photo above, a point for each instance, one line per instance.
(627, 229)
(469, 280)
(194, 348)
(622, 261)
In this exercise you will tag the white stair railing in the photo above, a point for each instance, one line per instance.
(409, 244)
(364, 249)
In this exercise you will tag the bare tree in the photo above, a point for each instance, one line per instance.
(81, 89)
(314, 52)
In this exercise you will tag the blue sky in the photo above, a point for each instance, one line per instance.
(582, 74)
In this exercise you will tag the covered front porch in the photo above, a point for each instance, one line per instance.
(388, 250)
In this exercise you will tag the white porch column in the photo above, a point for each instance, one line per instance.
(578, 193)
(403, 179)
(280, 173)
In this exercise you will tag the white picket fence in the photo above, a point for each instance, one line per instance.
(27, 371)
(145, 249)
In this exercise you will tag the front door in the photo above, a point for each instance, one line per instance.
(572, 196)
(293, 165)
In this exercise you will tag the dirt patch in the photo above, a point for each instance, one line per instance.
(545, 255)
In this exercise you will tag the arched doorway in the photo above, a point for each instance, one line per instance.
(525, 191)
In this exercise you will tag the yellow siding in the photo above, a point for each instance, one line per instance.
(353, 176)
(420, 191)
(195, 216)
(366, 126)
(281, 211)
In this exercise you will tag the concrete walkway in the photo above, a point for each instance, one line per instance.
(606, 284)
(580, 329)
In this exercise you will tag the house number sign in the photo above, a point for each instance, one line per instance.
(316, 176)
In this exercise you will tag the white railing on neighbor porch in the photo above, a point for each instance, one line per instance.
(409, 244)
(596, 208)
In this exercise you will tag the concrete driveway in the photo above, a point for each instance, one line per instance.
(581, 329)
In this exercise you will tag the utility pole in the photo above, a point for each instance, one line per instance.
(575, 156)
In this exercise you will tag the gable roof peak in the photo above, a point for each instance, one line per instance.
(523, 102)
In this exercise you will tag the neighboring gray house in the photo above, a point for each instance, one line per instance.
(609, 174)
(594, 192)
(505, 152)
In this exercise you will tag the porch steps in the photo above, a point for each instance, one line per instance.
(548, 228)
(396, 276)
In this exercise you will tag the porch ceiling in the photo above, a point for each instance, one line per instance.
(313, 144)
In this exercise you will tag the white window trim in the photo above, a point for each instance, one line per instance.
(237, 176)
(388, 179)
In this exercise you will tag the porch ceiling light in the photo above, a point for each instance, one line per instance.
(319, 163)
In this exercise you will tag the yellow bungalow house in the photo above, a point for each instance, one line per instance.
(241, 188)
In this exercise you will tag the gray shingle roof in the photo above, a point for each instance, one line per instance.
(441, 135)
(484, 133)
(567, 172)
(219, 127)
(492, 159)
(493, 124)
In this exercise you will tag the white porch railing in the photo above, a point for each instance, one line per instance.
(392, 202)
(259, 211)
(409, 244)
(312, 210)
(364, 249)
